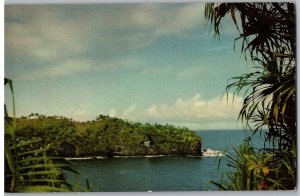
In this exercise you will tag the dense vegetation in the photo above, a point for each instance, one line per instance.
(35, 146)
(268, 35)
(107, 136)
(29, 166)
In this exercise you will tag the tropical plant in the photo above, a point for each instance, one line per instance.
(267, 32)
(28, 167)
(251, 169)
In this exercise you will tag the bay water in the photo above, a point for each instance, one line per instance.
(166, 173)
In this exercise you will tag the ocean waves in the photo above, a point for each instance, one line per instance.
(211, 153)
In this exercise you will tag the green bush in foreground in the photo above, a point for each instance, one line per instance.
(252, 170)
(28, 165)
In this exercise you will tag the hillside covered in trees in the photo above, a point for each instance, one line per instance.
(107, 136)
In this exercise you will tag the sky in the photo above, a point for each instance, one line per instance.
(156, 63)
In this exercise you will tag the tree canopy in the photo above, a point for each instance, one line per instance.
(108, 136)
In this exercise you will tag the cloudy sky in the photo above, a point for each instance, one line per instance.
(141, 62)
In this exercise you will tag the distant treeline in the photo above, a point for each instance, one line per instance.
(107, 136)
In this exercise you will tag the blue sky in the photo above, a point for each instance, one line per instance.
(141, 62)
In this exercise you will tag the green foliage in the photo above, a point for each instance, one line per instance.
(33, 168)
(53, 130)
(108, 136)
(250, 169)
(28, 167)
(267, 31)
(271, 102)
(262, 26)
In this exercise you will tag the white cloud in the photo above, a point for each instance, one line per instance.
(131, 113)
(52, 34)
(68, 67)
(81, 115)
(112, 112)
(184, 19)
(194, 112)
(130, 110)
(146, 15)
(74, 66)
(41, 32)
(196, 108)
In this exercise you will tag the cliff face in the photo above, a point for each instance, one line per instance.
(109, 136)
(161, 146)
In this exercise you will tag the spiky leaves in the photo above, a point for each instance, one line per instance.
(267, 32)
(28, 168)
(257, 170)
(262, 26)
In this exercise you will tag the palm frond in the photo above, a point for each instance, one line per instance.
(29, 168)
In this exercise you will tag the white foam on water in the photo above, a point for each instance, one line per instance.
(212, 153)
(79, 158)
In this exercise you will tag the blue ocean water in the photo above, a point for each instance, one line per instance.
(169, 173)
(221, 139)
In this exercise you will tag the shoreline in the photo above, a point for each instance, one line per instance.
(128, 156)
(205, 154)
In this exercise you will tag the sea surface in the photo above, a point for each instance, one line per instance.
(166, 173)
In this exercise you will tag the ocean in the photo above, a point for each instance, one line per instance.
(164, 173)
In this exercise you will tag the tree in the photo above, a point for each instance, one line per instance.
(102, 117)
(267, 33)
(28, 167)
